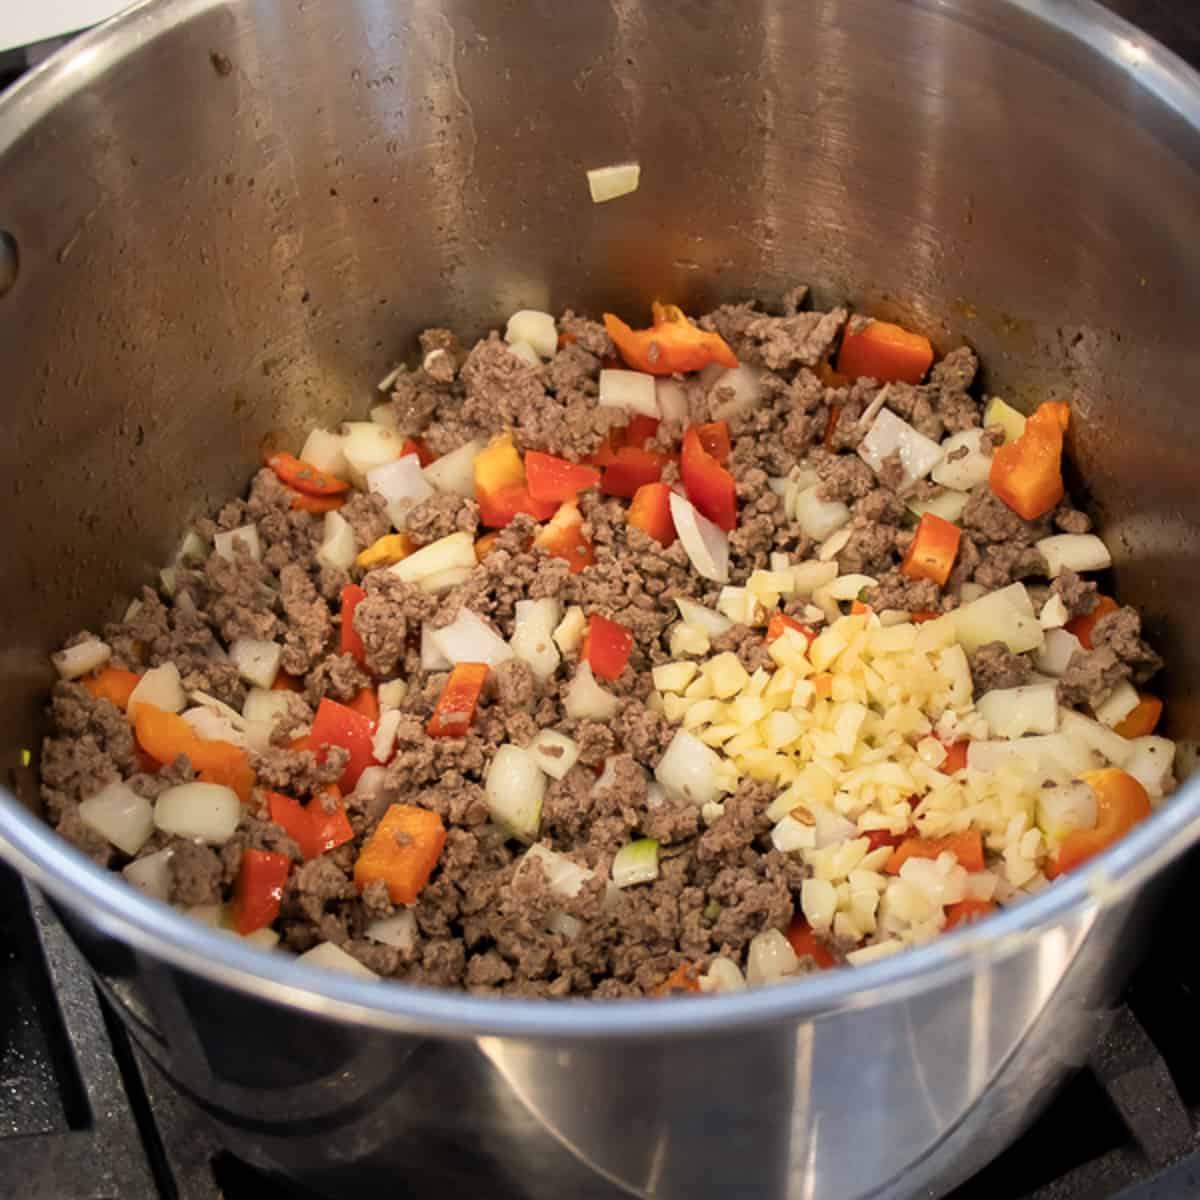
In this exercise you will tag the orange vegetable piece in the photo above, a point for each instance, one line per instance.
(233, 772)
(956, 758)
(455, 708)
(563, 538)
(315, 827)
(714, 437)
(165, 736)
(258, 892)
(316, 504)
(349, 641)
(806, 944)
(1121, 802)
(304, 477)
(670, 345)
(112, 684)
(858, 608)
(1027, 473)
(651, 512)
(883, 351)
(640, 429)
(967, 911)
(831, 378)
(285, 683)
(1082, 627)
(781, 621)
(556, 479)
(919, 618)
(485, 545)
(966, 847)
(1143, 719)
(932, 551)
(685, 978)
(366, 703)
(631, 467)
(417, 446)
(501, 488)
(402, 851)
(709, 486)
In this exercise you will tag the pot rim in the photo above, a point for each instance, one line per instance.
(103, 900)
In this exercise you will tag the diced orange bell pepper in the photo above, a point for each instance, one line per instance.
(709, 486)
(231, 770)
(630, 468)
(314, 827)
(258, 892)
(806, 944)
(417, 446)
(286, 683)
(668, 346)
(1027, 473)
(1121, 802)
(304, 477)
(1083, 627)
(349, 641)
(112, 684)
(555, 479)
(606, 646)
(781, 621)
(485, 545)
(165, 736)
(650, 512)
(956, 758)
(366, 703)
(965, 912)
(403, 851)
(501, 488)
(966, 847)
(316, 504)
(563, 538)
(932, 551)
(1143, 719)
(455, 709)
(685, 978)
(339, 725)
(714, 437)
(883, 351)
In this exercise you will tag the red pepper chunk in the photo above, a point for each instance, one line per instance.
(366, 703)
(1121, 802)
(968, 911)
(640, 430)
(258, 893)
(350, 642)
(668, 346)
(417, 446)
(651, 512)
(806, 944)
(629, 468)
(455, 709)
(314, 827)
(501, 487)
(966, 847)
(1083, 627)
(338, 725)
(552, 479)
(781, 621)
(708, 485)
(714, 437)
(883, 351)
(606, 646)
(563, 538)
(932, 551)
(956, 758)
(304, 477)
(1027, 473)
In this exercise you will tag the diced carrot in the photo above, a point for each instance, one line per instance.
(563, 538)
(417, 446)
(781, 621)
(366, 703)
(650, 511)
(455, 709)
(304, 477)
(966, 847)
(1143, 719)
(806, 944)
(1083, 627)
(956, 758)
(258, 893)
(1026, 474)
(316, 504)
(967, 911)
(606, 646)
(932, 551)
(685, 978)
(668, 346)
(883, 351)
(349, 641)
(112, 684)
(403, 851)
(315, 827)
(1121, 802)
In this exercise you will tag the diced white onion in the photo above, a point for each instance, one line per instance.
(1118, 704)
(370, 784)
(1074, 552)
(635, 863)
(265, 706)
(398, 930)
(257, 661)
(569, 633)
(455, 472)
(207, 811)
(392, 693)
(384, 741)
(608, 183)
(1099, 737)
(445, 581)
(526, 353)
(770, 958)
(672, 399)
(968, 470)
(152, 874)
(533, 635)
(1151, 762)
(1056, 652)
(1014, 712)
(831, 827)
(689, 770)
(1054, 613)
(77, 661)
(558, 921)
(706, 545)
(403, 486)
(790, 834)
(167, 579)
(1055, 753)
(1065, 807)
(334, 958)
(1004, 616)
(367, 444)
(585, 699)
(193, 546)
(324, 450)
(338, 547)
(454, 552)
(537, 329)
(246, 534)
(160, 686)
(432, 658)
(745, 384)
(120, 816)
(515, 787)
(818, 901)
(632, 391)
(388, 381)
(564, 877)
(948, 505)
(996, 412)
(813, 574)
(713, 623)
(469, 638)
(890, 435)
(847, 587)
(723, 975)
(818, 517)
(554, 752)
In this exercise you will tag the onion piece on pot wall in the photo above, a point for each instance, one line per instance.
(160, 686)
(1073, 552)
(207, 812)
(223, 543)
(80, 660)
(334, 958)
(705, 544)
(399, 930)
(455, 472)
(609, 183)
(152, 874)
(257, 661)
(536, 329)
(119, 815)
(515, 786)
(469, 638)
(633, 391)
(689, 770)
(338, 547)
(402, 484)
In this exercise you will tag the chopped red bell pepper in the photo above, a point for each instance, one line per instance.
(315, 827)
(366, 704)
(338, 725)
(714, 437)
(932, 551)
(630, 468)
(606, 646)
(564, 538)
(1142, 720)
(966, 912)
(1027, 473)
(258, 892)
(304, 477)
(781, 621)
(882, 837)
(286, 683)
(554, 479)
(651, 512)
(668, 346)
(350, 642)
(1121, 802)
(1083, 627)
(316, 504)
(956, 758)
(501, 487)
(708, 485)
(966, 847)
(455, 709)
(417, 446)
(806, 944)
(640, 429)
(685, 978)
(883, 351)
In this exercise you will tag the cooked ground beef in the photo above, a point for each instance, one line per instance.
(491, 917)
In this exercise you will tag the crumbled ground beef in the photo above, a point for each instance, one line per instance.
(1077, 594)
(1120, 632)
(996, 666)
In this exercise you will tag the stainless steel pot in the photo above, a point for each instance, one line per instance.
(226, 219)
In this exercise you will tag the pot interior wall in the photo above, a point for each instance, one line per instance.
(234, 220)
